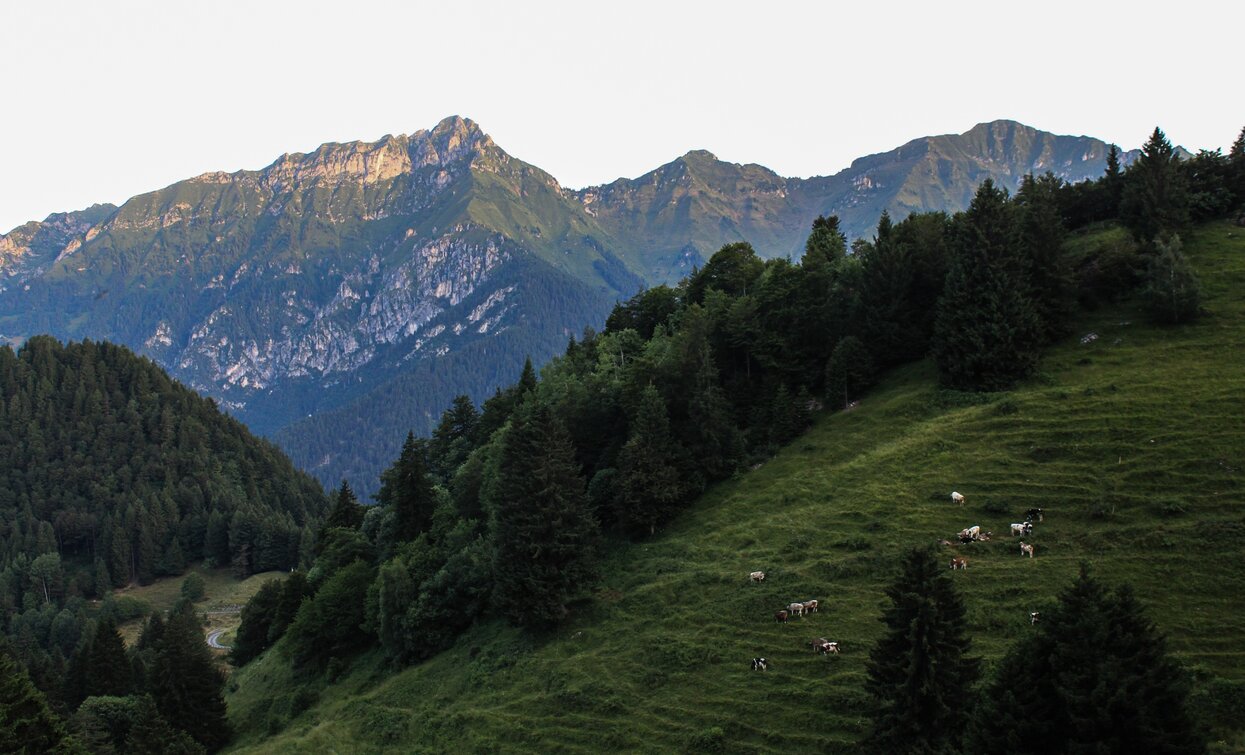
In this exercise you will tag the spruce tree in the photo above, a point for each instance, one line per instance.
(1112, 183)
(826, 243)
(987, 334)
(545, 537)
(1042, 233)
(186, 683)
(1094, 677)
(407, 490)
(648, 484)
(27, 724)
(1172, 292)
(1155, 199)
(107, 669)
(892, 321)
(454, 438)
(919, 673)
(251, 639)
(346, 511)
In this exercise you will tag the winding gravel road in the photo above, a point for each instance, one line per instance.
(214, 640)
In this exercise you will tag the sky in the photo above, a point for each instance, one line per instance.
(103, 100)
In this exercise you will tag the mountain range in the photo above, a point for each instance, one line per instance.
(337, 299)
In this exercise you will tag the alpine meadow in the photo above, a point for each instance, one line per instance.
(944, 453)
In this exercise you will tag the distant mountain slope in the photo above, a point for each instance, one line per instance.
(326, 280)
(129, 475)
(697, 203)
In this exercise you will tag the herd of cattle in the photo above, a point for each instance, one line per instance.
(975, 535)
(972, 534)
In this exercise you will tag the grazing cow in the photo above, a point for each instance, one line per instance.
(956, 498)
(760, 664)
(959, 563)
(757, 576)
(1034, 515)
(1022, 528)
(825, 647)
(817, 644)
(796, 609)
(970, 534)
(1026, 550)
(781, 617)
(810, 606)
(1033, 617)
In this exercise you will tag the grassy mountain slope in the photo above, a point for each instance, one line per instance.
(1133, 444)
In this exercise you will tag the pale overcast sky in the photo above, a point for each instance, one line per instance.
(103, 100)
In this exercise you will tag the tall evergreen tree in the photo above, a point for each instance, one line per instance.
(1042, 234)
(27, 723)
(987, 334)
(107, 669)
(407, 490)
(186, 683)
(1094, 677)
(827, 243)
(454, 438)
(546, 539)
(346, 511)
(1112, 183)
(1155, 199)
(650, 486)
(919, 673)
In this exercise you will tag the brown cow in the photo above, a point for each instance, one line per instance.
(781, 617)
(959, 563)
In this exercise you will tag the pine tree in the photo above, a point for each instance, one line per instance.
(545, 537)
(648, 484)
(1172, 292)
(186, 683)
(454, 438)
(346, 511)
(892, 322)
(919, 672)
(407, 490)
(1155, 199)
(986, 335)
(1094, 677)
(826, 243)
(107, 669)
(1042, 234)
(27, 724)
(1112, 182)
(152, 735)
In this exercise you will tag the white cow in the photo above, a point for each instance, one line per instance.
(1026, 550)
(757, 576)
(956, 498)
(796, 609)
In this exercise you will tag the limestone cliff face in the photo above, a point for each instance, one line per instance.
(28, 250)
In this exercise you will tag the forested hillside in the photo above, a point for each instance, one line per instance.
(603, 511)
